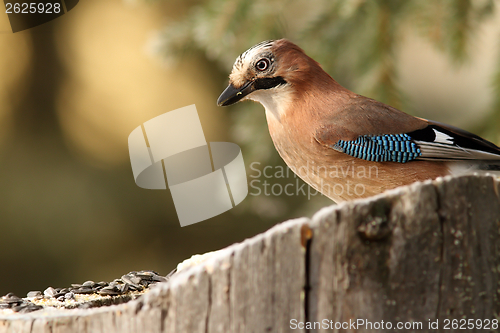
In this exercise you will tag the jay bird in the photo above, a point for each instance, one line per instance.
(343, 144)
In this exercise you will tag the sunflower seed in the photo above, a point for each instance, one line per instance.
(159, 278)
(30, 307)
(10, 298)
(35, 293)
(147, 275)
(83, 290)
(124, 287)
(109, 291)
(49, 292)
(88, 284)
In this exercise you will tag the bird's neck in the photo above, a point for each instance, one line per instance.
(317, 97)
(298, 99)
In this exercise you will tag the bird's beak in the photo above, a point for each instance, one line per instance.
(232, 94)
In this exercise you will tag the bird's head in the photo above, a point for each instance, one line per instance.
(272, 73)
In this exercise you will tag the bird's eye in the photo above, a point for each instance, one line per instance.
(262, 64)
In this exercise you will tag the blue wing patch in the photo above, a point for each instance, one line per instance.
(383, 148)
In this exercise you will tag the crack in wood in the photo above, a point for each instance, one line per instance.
(441, 253)
(306, 239)
(209, 306)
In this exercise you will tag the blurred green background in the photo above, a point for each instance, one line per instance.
(73, 89)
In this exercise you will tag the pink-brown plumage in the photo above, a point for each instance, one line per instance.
(308, 112)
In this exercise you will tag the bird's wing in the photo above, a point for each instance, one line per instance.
(380, 148)
(444, 142)
(373, 131)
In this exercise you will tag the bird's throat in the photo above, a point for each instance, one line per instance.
(276, 100)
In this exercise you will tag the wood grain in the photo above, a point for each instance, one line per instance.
(426, 252)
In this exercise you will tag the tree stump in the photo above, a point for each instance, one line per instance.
(426, 257)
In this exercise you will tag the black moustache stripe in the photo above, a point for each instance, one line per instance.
(267, 83)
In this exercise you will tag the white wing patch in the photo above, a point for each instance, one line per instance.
(442, 138)
(440, 151)
(443, 148)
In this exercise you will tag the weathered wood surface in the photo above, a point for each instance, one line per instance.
(421, 253)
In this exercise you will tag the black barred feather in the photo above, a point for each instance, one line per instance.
(382, 148)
